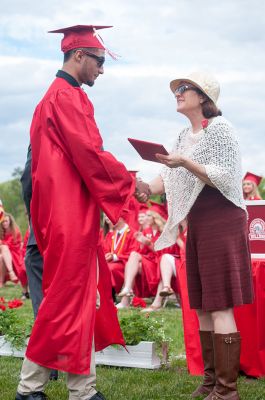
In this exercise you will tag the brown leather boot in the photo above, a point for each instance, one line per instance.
(208, 361)
(227, 355)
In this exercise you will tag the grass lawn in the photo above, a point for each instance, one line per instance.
(170, 383)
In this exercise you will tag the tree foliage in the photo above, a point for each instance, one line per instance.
(17, 173)
(11, 196)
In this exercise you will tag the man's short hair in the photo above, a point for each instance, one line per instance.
(69, 53)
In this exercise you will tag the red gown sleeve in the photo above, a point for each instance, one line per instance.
(71, 115)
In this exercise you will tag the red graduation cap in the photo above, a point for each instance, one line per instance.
(81, 36)
(253, 178)
(143, 208)
(159, 208)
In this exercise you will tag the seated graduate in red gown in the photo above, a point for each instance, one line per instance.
(250, 186)
(141, 268)
(168, 263)
(118, 245)
(12, 265)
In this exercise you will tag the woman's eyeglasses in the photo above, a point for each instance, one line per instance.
(100, 60)
(182, 88)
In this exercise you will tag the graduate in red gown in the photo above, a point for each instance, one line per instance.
(250, 186)
(118, 245)
(141, 269)
(12, 262)
(169, 260)
(72, 179)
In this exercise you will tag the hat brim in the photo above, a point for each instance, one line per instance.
(176, 82)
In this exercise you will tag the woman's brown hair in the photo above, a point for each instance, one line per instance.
(13, 227)
(209, 109)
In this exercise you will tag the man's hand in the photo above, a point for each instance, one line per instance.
(142, 191)
(108, 257)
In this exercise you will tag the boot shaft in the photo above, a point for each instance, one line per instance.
(207, 345)
(206, 338)
(227, 358)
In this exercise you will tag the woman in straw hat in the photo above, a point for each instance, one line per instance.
(202, 181)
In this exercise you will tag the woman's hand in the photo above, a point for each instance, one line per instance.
(176, 160)
(139, 237)
(172, 160)
(142, 239)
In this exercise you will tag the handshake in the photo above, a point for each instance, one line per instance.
(142, 191)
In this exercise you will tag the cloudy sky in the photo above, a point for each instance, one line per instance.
(158, 40)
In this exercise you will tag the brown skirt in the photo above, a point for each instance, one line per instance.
(217, 254)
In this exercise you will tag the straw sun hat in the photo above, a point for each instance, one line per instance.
(206, 82)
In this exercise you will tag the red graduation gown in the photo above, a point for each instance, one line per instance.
(124, 248)
(72, 178)
(146, 283)
(15, 248)
(131, 217)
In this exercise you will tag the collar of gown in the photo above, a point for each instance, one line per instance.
(72, 81)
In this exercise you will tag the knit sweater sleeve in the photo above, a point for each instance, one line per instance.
(224, 162)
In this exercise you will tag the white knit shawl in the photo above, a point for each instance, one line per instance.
(218, 150)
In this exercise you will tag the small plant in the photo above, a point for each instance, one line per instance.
(138, 327)
(11, 326)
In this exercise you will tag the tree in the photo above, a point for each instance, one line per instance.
(17, 173)
(11, 196)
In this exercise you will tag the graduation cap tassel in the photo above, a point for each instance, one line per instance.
(110, 53)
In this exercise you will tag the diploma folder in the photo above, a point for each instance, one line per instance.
(148, 150)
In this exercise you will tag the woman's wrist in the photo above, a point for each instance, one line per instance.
(183, 161)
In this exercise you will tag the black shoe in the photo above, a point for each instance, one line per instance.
(54, 375)
(98, 396)
(25, 296)
(32, 396)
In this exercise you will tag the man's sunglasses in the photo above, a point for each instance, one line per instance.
(182, 88)
(100, 60)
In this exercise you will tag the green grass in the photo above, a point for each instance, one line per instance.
(170, 383)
